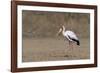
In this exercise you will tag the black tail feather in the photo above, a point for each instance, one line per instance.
(77, 41)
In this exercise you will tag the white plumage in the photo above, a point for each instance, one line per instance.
(70, 35)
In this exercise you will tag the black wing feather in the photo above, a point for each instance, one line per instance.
(77, 41)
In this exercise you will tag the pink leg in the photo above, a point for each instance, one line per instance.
(70, 45)
(70, 48)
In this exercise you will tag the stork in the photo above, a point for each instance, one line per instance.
(70, 35)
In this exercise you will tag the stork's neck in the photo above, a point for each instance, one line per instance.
(63, 30)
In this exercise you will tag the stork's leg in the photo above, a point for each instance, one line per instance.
(70, 48)
(69, 45)
(73, 49)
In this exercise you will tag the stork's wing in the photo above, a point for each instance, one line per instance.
(71, 35)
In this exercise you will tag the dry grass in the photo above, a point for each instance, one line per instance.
(50, 49)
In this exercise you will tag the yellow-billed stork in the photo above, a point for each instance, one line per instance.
(70, 35)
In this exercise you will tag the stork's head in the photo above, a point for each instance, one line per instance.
(62, 28)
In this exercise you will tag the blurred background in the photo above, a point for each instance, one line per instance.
(47, 24)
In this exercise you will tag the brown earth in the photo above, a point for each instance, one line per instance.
(50, 49)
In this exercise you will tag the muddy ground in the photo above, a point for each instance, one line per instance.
(53, 49)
